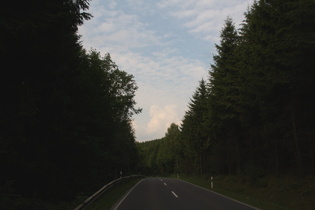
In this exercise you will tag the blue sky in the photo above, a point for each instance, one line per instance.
(166, 44)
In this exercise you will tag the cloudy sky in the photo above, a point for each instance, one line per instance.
(166, 44)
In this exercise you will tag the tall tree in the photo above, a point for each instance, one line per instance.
(194, 130)
(224, 100)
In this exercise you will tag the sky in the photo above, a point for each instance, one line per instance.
(167, 45)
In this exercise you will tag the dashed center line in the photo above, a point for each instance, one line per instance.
(175, 194)
(165, 184)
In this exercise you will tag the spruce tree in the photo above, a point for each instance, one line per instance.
(194, 130)
(224, 101)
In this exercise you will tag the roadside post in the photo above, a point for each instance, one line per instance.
(212, 182)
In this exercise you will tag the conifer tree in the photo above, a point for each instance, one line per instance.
(224, 100)
(194, 130)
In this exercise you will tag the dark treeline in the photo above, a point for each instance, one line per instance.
(254, 116)
(65, 113)
(161, 156)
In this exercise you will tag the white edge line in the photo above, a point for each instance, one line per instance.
(175, 194)
(245, 204)
(116, 206)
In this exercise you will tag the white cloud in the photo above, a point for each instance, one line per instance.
(205, 18)
(161, 118)
(165, 75)
(164, 82)
(117, 30)
(162, 79)
(112, 5)
(135, 125)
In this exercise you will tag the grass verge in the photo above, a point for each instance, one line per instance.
(110, 197)
(266, 193)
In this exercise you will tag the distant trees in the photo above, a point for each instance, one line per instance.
(162, 156)
(254, 115)
(65, 113)
(148, 152)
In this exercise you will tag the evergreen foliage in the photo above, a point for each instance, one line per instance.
(162, 156)
(194, 130)
(65, 113)
(254, 116)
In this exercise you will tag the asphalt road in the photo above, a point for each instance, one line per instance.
(168, 193)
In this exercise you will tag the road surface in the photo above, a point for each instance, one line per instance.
(169, 193)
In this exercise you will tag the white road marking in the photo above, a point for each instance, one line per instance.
(175, 194)
(165, 184)
(116, 207)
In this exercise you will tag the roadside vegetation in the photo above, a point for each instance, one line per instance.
(268, 193)
(113, 195)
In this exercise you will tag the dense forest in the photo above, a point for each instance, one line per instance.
(65, 112)
(254, 114)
